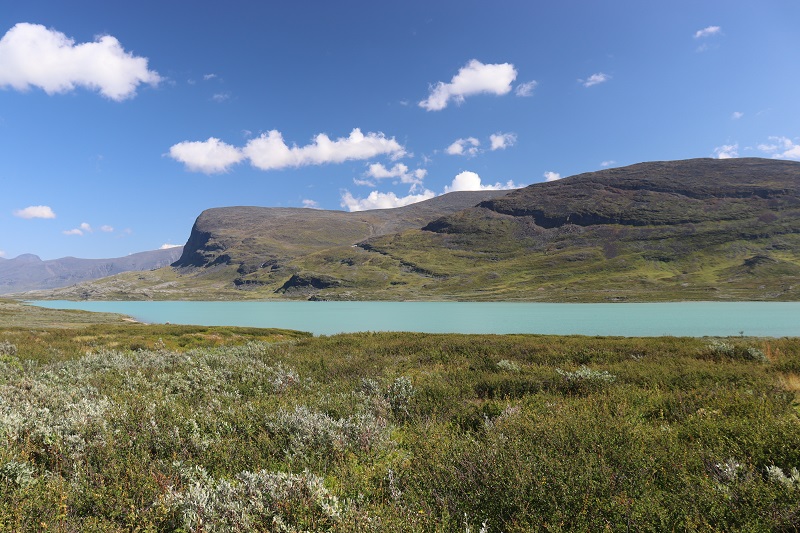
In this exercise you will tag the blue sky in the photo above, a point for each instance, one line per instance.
(120, 123)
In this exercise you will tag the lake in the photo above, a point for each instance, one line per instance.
(693, 319)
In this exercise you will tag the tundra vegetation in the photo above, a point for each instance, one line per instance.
(112, 427)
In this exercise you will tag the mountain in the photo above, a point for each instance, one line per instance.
(236, 252)
(699, 229)
(695, 229)
(28, 272)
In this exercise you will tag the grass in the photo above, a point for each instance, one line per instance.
(182, 428)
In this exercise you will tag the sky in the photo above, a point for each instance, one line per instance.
(121, 122)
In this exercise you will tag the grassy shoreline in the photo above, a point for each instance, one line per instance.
(118, 427)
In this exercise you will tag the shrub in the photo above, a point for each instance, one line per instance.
(284, 502)
(508, 366)
(792, 481)
(399, 396)
(17, 474)
(584, 380)
(6, 348)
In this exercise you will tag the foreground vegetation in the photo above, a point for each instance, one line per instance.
(179, 428)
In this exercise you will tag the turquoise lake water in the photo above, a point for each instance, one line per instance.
(693, 319)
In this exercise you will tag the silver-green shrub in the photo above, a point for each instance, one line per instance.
(17, 474)
(399, 394)
(791, 481)
(252, 501)
(508, 366)
(304, 431)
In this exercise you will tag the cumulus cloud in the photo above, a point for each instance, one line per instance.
(501, 141)
(2, 253)
(726, 151)
(167, 246)
(468, 146)
(707, 32)
(399, 171)
(474, 78)
(781, 148)
(470, 181)
(210, 157)
(465, 181)
(35, 211)
(220, 97)
(310, 204)
(526, 89)
(270, 152)
(74, 231)
(380, 200)
(736, 115)
(551, 176)
(33, 55)
(106, 228)
(606, 164)
(85, 226)
(595, 79)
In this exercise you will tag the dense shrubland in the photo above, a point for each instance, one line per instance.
(181, 429)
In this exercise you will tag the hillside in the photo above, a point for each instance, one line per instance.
(701, 229)
(28, 272)
(241, 252)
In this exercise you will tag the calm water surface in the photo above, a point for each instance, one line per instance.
(695, 319)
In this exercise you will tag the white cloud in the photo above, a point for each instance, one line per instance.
(106, 228)
(380, 200)
(551, 176)
(35, 211)
(32, 55)
(468, 146)
(727, 151)
(526, 89)
(86, 227)
(736, 115)
(398, 171)
(470, 181)
(781, 148)
(207, 77)
(269, 151)
(209, 156)
(221, 97)
(595, 79)
(2, 253)
(167, 246)
(501, 141)
(310, 204)
(707, 32)
(474, 78)
(606, 164)
(74, 231)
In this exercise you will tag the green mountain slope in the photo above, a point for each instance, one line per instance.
(700, 229)
(696, 229)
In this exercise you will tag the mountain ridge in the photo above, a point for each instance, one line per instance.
(698, 229)
(28, 272)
